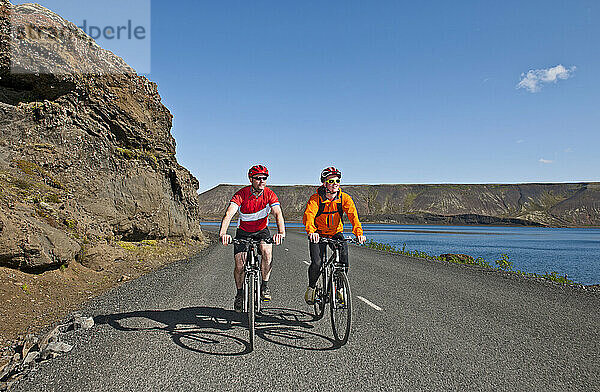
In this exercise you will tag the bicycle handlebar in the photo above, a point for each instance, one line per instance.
(244, 241)
(325, 240)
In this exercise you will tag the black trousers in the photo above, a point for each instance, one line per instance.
(316, 251)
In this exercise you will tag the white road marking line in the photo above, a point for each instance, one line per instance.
(371, 304)
(306, 262)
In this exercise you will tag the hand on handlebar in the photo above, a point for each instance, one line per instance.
(361, 239)
(313, 237)
(278, 238)
(226, 239)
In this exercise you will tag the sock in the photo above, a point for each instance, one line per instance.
(264, 283)
(240, 292)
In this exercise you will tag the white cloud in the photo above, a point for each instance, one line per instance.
(545, 161)
(533, 80)
(569, 150)
(520, 141)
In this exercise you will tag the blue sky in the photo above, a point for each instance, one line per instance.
(387, 91)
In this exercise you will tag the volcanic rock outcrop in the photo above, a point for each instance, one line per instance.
(86, 154)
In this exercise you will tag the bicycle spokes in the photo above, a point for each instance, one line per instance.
(341, 307)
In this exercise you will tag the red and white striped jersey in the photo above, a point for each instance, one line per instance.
(254, 210)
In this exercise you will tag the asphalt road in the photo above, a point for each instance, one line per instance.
(441, 327)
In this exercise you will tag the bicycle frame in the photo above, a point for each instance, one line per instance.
(252, 267)
(252, 270)
(330, 266)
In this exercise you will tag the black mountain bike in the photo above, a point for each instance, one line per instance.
(333, 288)
(252, 281)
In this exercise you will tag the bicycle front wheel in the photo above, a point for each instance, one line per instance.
(251, 310)
(320, 296)
(341, 306)
(257, 288)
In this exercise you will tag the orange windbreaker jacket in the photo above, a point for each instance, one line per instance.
(329, 222)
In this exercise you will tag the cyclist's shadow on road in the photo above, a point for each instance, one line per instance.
(219, 331)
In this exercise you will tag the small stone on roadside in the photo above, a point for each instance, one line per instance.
(28, 343)
(51, 336)
(4, 367)
(54, 349)
(59, 347)
(83, 322)
(8, 368)
(4, 361)
(32, 356)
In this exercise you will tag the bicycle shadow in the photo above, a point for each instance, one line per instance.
(208, 329)
(222, 332)
(280, 326)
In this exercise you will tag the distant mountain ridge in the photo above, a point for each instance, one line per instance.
(535, 204)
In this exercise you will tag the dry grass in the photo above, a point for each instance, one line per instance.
(29, 302)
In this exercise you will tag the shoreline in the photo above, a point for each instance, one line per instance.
(505, 273)
(217, 221)
(489, 243)
(531, 277)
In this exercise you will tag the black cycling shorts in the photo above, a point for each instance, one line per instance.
(263, 234)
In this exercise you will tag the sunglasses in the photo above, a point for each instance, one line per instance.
(260, 178)
(332, 181)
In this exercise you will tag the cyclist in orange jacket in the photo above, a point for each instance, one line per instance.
(323, 218)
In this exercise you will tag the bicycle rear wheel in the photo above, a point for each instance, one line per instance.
(320, 296)
(341, 306)
(251, 310)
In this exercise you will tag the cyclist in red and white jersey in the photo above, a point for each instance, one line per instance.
(254, 204)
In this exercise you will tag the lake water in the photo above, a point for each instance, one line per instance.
(574, 252)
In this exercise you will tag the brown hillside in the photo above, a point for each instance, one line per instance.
(572, 204)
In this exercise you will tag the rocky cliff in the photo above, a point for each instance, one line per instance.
(574, 204)
(86, 154)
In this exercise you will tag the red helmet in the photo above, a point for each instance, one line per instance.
(258, 169)
(328, 171)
